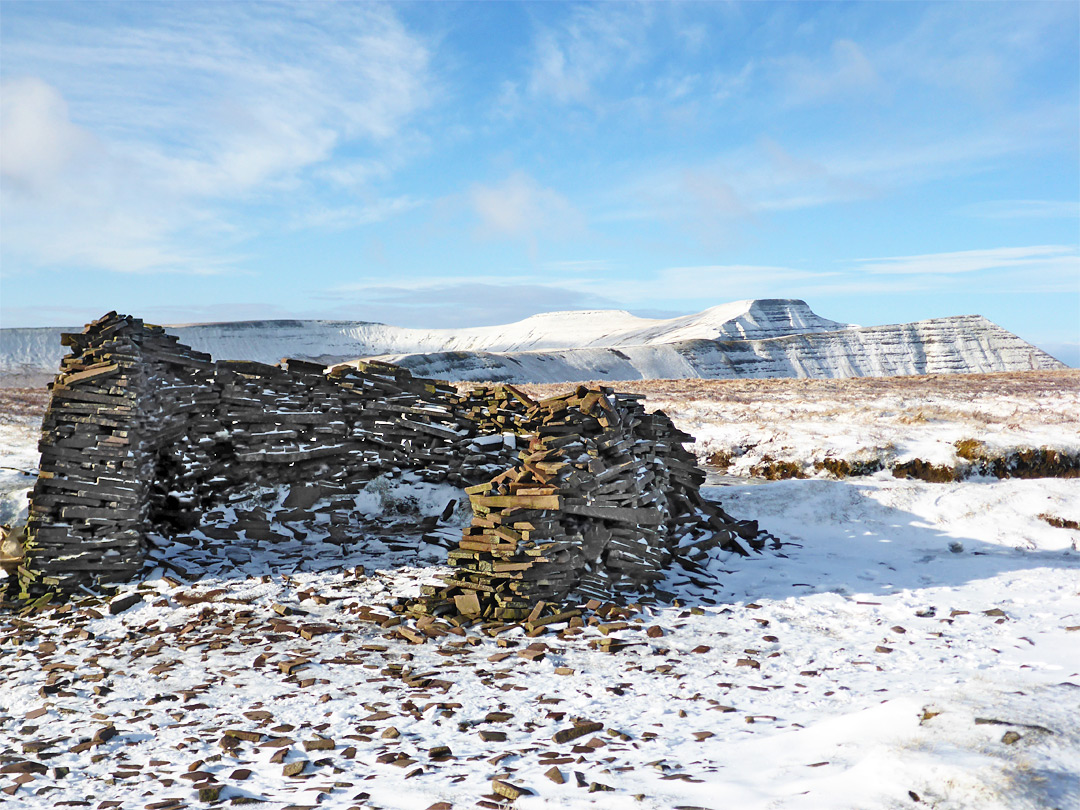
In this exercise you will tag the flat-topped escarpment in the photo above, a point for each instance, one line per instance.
(963, 344)
(267, 341)
(753, 338)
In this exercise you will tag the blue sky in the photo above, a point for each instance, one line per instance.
(460, 164)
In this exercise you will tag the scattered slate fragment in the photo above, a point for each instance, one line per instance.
(122, 603)
(580, 730)
(23, 767)
(294, 768)
(508, 790)
(103, 735)
(555, 775)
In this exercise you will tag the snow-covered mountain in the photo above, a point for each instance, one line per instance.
(759, 338)
(960, 345)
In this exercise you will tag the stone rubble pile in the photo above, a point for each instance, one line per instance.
(584, 494)
(603, 499)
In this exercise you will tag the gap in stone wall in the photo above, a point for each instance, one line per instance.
(388, 524)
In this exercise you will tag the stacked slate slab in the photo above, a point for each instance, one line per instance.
(583, 495)
(90, 501)
(602, 501)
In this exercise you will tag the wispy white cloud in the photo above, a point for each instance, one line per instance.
(167, 123)
(719, 196)
(693, 36)
(68, 199)
(1040, 268)
(845, 73)
(980, 57)
(719, 283)
(1034, 258)
(1036, 269)
(458, 302)
(695, 287)
(373, 285)
(39, 139)
(589, 284)
(570, 60)
(350, 216)
(716, 199)
(726, 85)
(1024, 209)
(354, 175)
(521, 208)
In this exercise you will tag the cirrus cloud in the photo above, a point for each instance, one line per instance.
(520, 208)
(972, 261)
(138, 145)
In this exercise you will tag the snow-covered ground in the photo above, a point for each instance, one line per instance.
(749, 423)
(20, 420)
(908, 645)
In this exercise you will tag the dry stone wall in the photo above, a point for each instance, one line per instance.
(582, 494)
(604, 499)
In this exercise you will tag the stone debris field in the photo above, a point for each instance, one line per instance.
(387, 594)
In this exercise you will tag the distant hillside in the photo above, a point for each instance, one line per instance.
(960, 345)
(760, 338)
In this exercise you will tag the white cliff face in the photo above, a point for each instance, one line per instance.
(965, 344)
(762, 338)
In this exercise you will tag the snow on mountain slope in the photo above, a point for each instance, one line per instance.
(332, 341)
(962, 344)
(269, 341)
(762, 338)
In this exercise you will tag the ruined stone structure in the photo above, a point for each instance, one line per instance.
(143, 435)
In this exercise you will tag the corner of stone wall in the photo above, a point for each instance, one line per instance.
(88, 504)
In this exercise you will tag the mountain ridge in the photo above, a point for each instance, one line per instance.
(955, 345)
(753, 337)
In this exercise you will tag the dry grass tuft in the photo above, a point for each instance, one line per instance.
(19, 405)
(1005, 384)
(1059, 522)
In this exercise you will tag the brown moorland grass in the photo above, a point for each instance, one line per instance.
(781, 428)
(22, 404)
(879, 410)
(1001, 384)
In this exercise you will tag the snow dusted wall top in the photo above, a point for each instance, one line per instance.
(732, 340)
